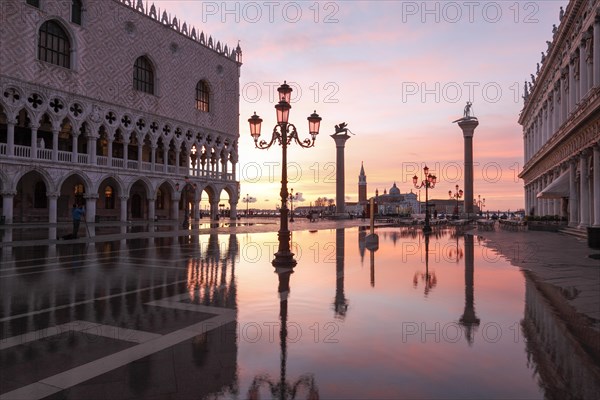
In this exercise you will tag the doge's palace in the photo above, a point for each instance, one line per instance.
(116, 105)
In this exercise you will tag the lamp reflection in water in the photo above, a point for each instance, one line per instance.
(282, 389)
(469, 320)
(429, 279)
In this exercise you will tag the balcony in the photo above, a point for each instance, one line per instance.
(23, 155)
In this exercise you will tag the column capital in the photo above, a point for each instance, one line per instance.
(53, 195)
(91, 196)
(123, 198)
(8, 193)
(585, 152)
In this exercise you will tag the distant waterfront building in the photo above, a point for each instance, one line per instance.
(115, 105)
(561, 123)
(394, 202)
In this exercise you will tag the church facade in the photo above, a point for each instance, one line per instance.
(388, 203)
(561, 124)
(117, 106)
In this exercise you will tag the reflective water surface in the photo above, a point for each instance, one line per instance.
(441, 316)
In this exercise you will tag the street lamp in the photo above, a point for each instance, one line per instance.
(480, 204)
(292, 205)
(456, 195)
(283, 133)
(428, 183)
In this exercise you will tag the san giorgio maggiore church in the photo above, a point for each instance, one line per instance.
(561, 121)
(390, 202)
(117, 106)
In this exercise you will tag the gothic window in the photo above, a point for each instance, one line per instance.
(202, 96)
(143, 75)
(35, 3)
(109, 198)
(39, 195)
(76, 11)
(54, 46)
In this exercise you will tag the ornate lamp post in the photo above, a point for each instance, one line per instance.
(284, 133)
(479, 203)
(248, 200)
(458, 194)
(291, 205)
(428, 183)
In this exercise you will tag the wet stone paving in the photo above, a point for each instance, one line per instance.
(206, 315)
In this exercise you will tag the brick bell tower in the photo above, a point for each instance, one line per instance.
(362, 186)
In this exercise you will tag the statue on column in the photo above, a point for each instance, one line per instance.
(467, 114)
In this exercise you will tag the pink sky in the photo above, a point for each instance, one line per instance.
(398, 73)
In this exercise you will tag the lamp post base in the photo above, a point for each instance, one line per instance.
(284, 257)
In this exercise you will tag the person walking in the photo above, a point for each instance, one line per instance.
(77, 212)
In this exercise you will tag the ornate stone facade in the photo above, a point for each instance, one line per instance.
(561, 123)
(89, 132)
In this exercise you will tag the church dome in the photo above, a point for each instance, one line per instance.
(394, 191)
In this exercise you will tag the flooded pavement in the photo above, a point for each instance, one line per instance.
(195, 316)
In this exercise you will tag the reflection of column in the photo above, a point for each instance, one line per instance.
(340, 304)
(469, 320)
(340, 198)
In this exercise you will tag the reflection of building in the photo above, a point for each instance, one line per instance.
(561, 128)
(109, 103)
(565, 361)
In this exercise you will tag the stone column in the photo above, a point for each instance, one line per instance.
(74, 152)
(153, 148)
(55, 131)
(340, 189)
(596, 56)
(573, 198)
(34, 130)
(7, 205)
(468, 126)
(92, 144)
(109, 151)
(140, 155)
(151, 208)
(596, 166)
(175, 207)
(232, 209)
(543, 202)
(177, 155)
(564, 98)
(165, 158)
(10, 136)
(123, 214)
(572, 87)
(584, 189)
(583, 75)
(52, 206)
(90, 206)
(126, 137)
(214, 209)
